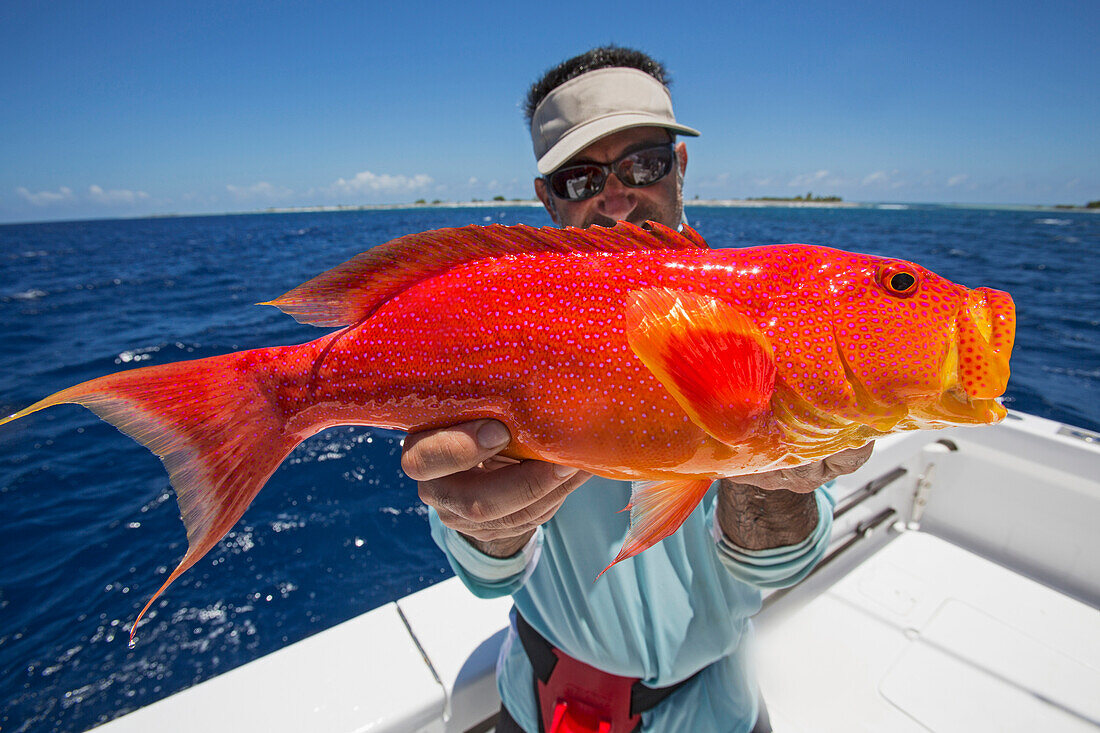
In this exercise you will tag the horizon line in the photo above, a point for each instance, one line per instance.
(759, 202)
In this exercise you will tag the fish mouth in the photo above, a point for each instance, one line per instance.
(973, 376)
(975, 370)
(986, 331)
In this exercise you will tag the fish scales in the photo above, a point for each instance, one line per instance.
(542, 348)
(631, 353)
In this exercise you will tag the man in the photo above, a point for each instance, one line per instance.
(664, 629)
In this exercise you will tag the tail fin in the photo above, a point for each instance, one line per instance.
(208, 420)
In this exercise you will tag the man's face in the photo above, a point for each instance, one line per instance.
(662, 202)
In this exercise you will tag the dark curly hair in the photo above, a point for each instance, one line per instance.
(598, 58)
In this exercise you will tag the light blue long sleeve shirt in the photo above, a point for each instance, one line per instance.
(680, 606)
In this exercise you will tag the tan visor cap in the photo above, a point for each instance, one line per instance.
(594, 105)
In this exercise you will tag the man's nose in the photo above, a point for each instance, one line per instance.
(616, 200)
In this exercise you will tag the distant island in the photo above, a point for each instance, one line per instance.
(809, 198)
(476, 203)
(440, 202)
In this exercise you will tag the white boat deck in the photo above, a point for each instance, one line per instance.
(925, 636)
(984, 619)
(423, 663)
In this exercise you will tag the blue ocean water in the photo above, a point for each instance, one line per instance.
(89, 527)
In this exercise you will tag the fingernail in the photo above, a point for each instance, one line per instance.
(564, 471)
(492, 435)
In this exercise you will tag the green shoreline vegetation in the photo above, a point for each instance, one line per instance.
(809, 198)
(495, 199)
(1092, 207)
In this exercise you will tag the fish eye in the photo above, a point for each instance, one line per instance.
(902, 282)
(898, 279)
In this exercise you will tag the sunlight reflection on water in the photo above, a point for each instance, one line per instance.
(91, 527)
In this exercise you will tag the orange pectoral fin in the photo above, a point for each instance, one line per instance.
(712, 359)
(657, 509)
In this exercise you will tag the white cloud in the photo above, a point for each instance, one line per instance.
(809, 179)
(367, 182)
(883, 179)
(96, 195)
(116, 196)
(45, 198)
(818, 179)
(957, 180)
(262, 190)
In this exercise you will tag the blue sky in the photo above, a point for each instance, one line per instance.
(126, 109)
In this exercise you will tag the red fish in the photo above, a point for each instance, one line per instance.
(632, 353)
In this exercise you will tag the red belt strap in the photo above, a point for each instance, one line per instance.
(575, 697)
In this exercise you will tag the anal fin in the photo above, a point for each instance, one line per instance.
(657, 509)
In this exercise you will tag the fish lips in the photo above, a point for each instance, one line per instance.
(976, 367)
(986, 325)
(974, 371)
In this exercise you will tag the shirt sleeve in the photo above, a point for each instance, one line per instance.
(484, 575)
(777, 567)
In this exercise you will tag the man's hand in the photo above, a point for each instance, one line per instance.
(776, 508)
(496, 503)
(804, 479)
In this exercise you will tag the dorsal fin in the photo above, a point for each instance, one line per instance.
(352, 291)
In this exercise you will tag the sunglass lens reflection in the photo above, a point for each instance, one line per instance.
(579, 182)
(642, 168)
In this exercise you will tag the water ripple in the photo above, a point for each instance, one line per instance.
(91, 529)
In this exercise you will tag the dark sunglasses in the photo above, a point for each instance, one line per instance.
(636, 170)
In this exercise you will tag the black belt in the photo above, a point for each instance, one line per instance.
(543, 660)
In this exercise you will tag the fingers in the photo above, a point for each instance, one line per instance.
(483, 496)
(479, 493)
(436, 453)
(847, 461)
(807, 478)
(518, 523)
(800, 480)
(804, 479)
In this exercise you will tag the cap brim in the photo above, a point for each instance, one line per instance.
(577, 140)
